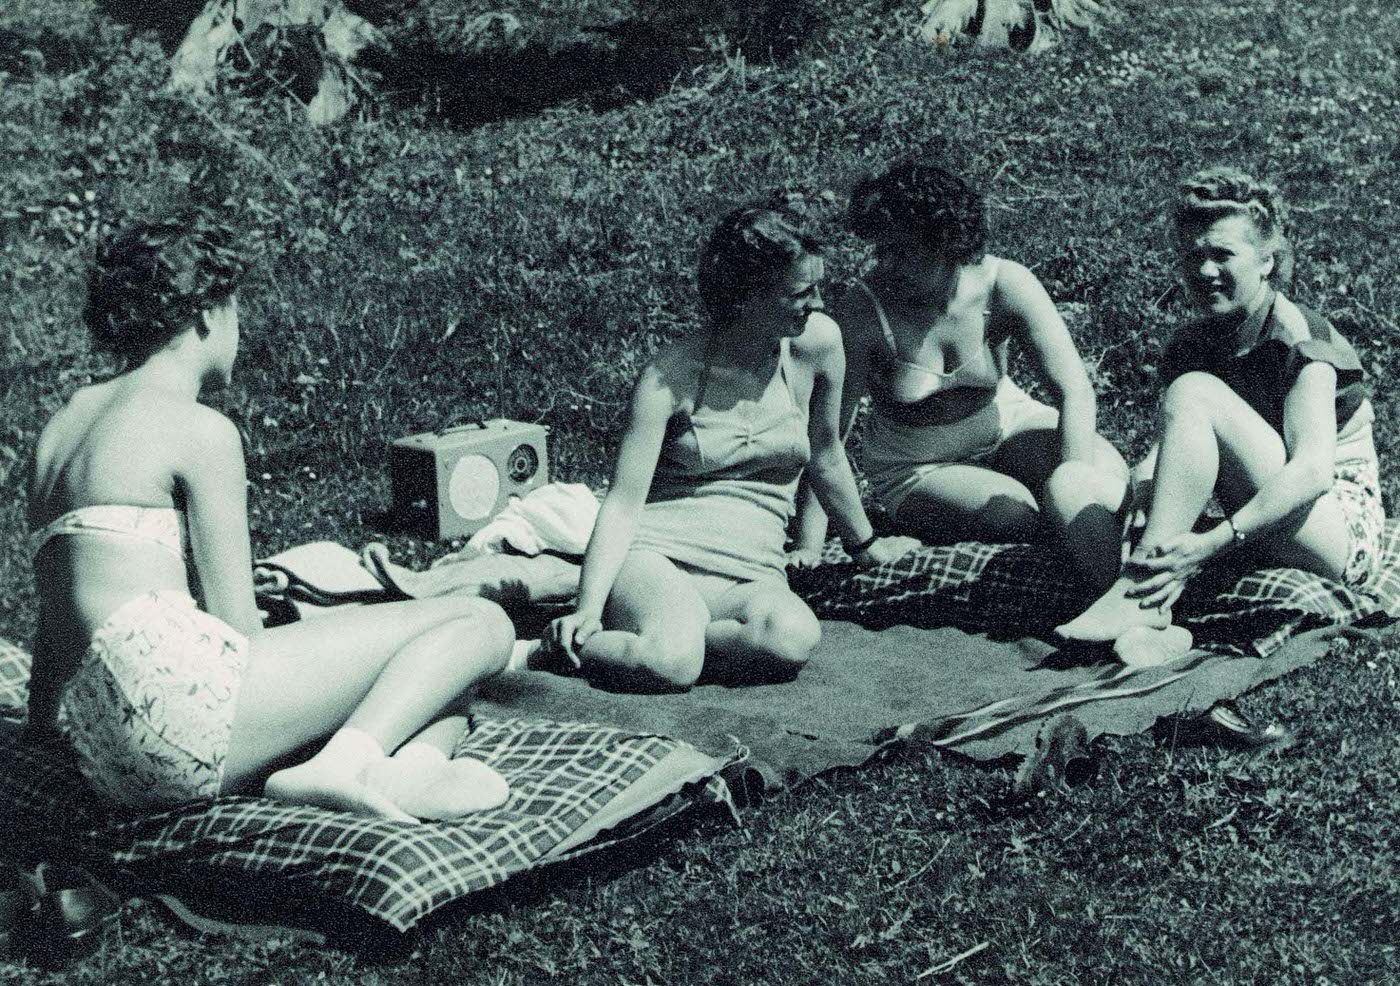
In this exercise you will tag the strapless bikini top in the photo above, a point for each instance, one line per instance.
(162, 526)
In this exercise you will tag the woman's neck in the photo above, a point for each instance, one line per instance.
(1242, 330)
(734, 347)
(170, 371)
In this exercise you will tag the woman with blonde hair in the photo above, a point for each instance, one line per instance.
(1265, 409)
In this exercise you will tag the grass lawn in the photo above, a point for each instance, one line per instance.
(435, 257)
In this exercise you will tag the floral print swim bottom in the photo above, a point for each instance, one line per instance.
(1357, 487)
(150, 709)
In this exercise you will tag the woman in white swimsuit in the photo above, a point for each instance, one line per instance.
(149, 654)
(953, 448)
(686, 570)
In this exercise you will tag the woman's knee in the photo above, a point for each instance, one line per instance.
(484, 628)
(1193, 393)
(786, 634)
(1075, 485)
(677, 663)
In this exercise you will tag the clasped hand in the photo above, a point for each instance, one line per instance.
(567, 633)
(1161, 572)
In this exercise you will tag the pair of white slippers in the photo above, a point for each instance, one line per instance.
(419, 782)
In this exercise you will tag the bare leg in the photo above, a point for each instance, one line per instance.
(759, 632)
(1211, 440)
(956, 502)
(655, 620)
(1080, 500)
(376, 674)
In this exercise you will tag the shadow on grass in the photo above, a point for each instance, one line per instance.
(604, 67)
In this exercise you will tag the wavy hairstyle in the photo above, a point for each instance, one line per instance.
(933, 204)
(152, 279)
(749, 249)
(1216, 193)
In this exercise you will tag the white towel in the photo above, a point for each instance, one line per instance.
(555, 517)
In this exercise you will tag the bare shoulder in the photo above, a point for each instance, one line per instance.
(200, 432)
(671, 378)
(1013, 283)
(820, 336)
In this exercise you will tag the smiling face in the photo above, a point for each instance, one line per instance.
(782, 307)
(1224, 265)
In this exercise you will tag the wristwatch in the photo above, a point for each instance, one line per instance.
(855, 549)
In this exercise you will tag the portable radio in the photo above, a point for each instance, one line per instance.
(455, 480)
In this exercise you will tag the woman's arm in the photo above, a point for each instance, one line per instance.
(653, 404)
(830, 471)
(851, 386)
(213, 478)
(1310, 440)
(1022, 300)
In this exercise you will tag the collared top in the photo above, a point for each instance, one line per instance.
(1286, 337)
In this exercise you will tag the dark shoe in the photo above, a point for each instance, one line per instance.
(19, 900)
(72, 915)
(1226, 724)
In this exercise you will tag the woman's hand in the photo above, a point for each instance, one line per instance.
(1164, 569)
(804, 557)
(884, 550)
(566, 634)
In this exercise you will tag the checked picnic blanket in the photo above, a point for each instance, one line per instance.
(307, 867)
(1018, 590)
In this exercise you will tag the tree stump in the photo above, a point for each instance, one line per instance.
(1021, 25)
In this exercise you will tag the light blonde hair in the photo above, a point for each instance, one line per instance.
(1215, 193)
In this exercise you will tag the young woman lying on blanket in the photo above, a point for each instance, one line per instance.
(138, 507)
(953, 448)
(1265, 410)
(686, 565)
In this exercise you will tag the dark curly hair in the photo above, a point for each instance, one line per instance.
(934, 205)
(151, 279)
(749, 249)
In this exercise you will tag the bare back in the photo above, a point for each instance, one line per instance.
(113, 443)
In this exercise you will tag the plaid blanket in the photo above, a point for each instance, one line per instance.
(311, 867)
(1021, 590)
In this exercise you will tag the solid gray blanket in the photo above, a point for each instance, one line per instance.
(982, 697)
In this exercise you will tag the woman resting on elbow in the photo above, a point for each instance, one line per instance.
(149, 652)
(954, 449)
(1265, 410)
(686, 568)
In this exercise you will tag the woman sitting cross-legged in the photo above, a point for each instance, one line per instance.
(149, 652)
(685, 570)
(953, 448)
(1265, 410)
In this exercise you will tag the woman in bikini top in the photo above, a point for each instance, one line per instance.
(149, 655)
(953, 449)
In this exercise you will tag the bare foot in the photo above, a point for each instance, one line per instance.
(422, 781)
(335, 778)
(1146, 647)
(1112, 615)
